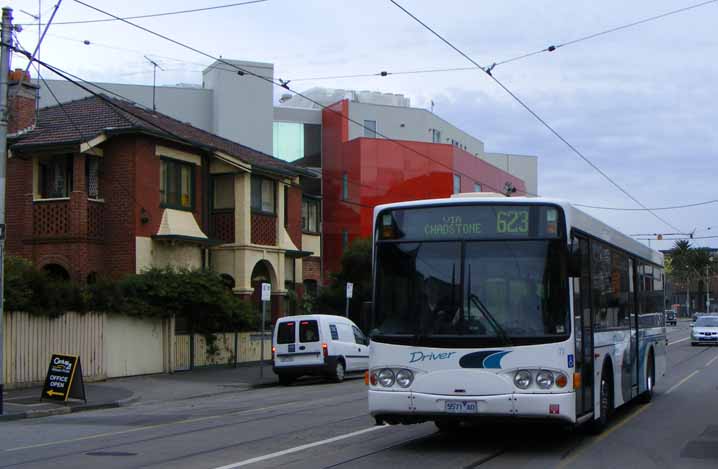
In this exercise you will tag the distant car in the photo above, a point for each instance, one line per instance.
(705, 330)
(671, 318)
(318, 345)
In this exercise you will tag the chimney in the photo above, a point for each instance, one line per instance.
(22, 96)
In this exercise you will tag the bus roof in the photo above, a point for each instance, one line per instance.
(575, 218)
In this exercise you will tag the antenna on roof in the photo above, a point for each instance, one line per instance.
(154, 80)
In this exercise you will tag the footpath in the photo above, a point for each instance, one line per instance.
(200, 382)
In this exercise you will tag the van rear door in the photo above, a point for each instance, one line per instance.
(285, 342)
(309, 347)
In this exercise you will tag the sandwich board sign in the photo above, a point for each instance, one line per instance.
(64, 379)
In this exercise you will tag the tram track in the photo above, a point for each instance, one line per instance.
(184, 433)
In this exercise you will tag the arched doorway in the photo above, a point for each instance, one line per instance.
(263, 272)
(56, 272)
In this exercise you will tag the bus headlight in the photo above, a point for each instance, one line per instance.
(544, 379)
(386, 378)
(561, 380)
(522, 379)
(404, 378)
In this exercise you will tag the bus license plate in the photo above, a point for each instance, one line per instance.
(286, 359)
(461, 407)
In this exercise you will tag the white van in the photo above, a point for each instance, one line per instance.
(318, 344)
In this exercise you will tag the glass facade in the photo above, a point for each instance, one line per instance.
(294, 140)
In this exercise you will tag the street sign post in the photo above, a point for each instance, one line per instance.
(266, 298)
(350, 293)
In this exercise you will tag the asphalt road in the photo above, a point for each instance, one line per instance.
(316, 424)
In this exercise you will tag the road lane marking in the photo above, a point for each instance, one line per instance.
(680, 340)
(602, 436)
(711, 361)
(147, 427)
(675, 386)
(296, 449)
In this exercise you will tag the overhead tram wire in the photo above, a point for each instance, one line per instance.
(533, 113)
(550, 48)
(285, 85)
(154, 15)
(673, 207)
(385, 73)
(119, 111)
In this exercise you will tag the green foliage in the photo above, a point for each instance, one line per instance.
(199, 296)
(356, 268)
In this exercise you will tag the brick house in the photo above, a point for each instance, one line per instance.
(102, 187)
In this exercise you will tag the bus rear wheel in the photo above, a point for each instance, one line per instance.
(647, 395)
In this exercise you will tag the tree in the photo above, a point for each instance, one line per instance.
(688, 264)
(356, 268)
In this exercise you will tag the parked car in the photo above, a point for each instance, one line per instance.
(671, 318)
(705, 330)
(318, 345)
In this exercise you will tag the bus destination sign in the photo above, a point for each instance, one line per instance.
(470, 222)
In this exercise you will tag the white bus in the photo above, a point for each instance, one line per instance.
(487, 306)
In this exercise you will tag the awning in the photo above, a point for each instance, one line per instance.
(180, 225)
(297, 254)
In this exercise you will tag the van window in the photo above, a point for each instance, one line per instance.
(359, 337)
(285, 333)
(308, 331)
(333, 330)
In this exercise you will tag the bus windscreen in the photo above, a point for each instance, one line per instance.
(470, 222)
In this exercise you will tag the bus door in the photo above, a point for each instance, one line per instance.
(583, 326)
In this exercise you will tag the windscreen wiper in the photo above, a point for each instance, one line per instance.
(500, 332)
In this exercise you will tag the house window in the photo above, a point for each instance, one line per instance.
(223, 192)
(289, 269)
(177, 184)
(477, 187)
(310, 215)
(55, 179)
(92, 177)
(345, 187)
(262, 195)
(345, 240)
(457, 183)
(370, 129)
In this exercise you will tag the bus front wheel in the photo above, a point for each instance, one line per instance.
(647, 395)
(605, 400)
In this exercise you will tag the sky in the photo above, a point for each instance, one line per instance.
(640, 103)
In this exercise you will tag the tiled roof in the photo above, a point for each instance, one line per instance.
(83, 119)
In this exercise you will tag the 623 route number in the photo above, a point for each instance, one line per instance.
(512, 221)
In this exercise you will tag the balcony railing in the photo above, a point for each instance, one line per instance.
(222, 225)
(51, 218)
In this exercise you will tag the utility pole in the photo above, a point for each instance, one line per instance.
(4, 76)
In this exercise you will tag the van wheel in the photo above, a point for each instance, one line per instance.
(286, 380)
(647, 395)
(605, 400)
(339, 372)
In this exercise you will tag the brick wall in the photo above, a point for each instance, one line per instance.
(294, 215)
(18, 203)
(312, 268)
(118, 187)
(264, 229)
(21, 106)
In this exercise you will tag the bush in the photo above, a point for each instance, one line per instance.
(199, 297)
